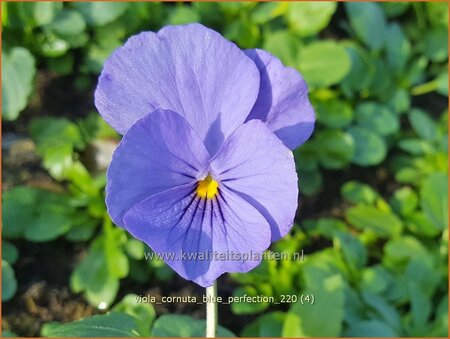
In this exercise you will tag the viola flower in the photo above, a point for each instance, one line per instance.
(204, 173)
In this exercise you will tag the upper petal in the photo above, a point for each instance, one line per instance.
(255, 164)
(159, 152)
(283, 102)
(189, 69)
(200, 238)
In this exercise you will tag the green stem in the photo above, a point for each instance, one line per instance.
(211, 311)
(425, 88)
(419, 11)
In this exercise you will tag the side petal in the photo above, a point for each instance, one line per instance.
(151, 158)
(189, 69)
(200, 238)
(282, 102)
(255, 164)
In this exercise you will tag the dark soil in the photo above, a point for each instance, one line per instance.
(54, 96)
(43, 294)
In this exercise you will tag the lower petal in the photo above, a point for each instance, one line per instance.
(254, 164)
(200, 238)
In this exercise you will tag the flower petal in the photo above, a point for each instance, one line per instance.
(189, 69)
(200, 238)
(255, 164)
(151, 158)
(283, 102)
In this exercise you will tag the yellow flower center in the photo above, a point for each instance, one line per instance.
(207, 188)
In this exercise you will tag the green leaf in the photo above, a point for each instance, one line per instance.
(36, 214)
(111, 325)
(434, 199)
(334, 113)
(324, 63)
(380, 222)
(375, 279)
(404, 201)
(394, 9)
(38, 13)
(335, 148)
(398, 48)
(9, 283)
(355, 254)
(9, 334)
(306, 157)
(244, 307)
(368, 21)
(423, 125)
(356, 192)
(234, 8)
(400, 101)
(283, 45)
(94, 127)
(310, 182)
(415, 73)
(402, 249)
(18, 211)
(10, 253)
(135, 249)
(54, 220)
(78, 40)
(67, 22)
(267, 325)
(48, 132)
(51, 45)
(437, 13)
(420, 308)
(436, 44)
(361, 72)
(328, 227)
(210, 13)
(56, 139)
(418, 223)
(309, 18)
(62, 65)
(383, 82)
(18, 69)
(267, 11)
(100, 13)
(98, 274)
(97, 54)
(377, 118)
(308, 320)
(382, 309)
(82, 231)
(416, 146)
(370, 328)
(4, 15)
(442, 83)
(370, 149)
(172, 325)
(117, 30)
(422, 270)
(441, 323)
(354, 307)
(245, 34)
(143, 312)
(180, 15)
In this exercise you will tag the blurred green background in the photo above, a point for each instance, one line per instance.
(373, 215)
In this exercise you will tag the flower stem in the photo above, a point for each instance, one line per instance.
(211, 311)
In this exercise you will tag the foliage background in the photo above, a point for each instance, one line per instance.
(372, 220)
